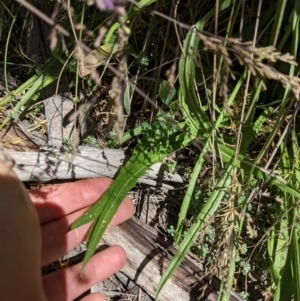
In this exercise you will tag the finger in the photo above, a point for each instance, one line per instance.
(67, 284)
(93, 297)
(57, 241)
(55, 201)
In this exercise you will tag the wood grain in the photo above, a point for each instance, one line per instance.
(87, 162)
(149, 253)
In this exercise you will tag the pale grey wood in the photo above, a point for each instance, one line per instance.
(87, 162)
(57, 109)
(149, 253)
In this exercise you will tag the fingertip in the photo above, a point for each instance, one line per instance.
(121, 255)
(115, 258)
(67, 284)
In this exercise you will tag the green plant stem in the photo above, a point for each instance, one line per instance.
(6, 51)
(188, 195)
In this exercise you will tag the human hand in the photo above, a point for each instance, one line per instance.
(33, 233)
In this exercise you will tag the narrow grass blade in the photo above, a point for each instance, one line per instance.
(248, 166)
(111, 200)
(294, 222)
(254, 129)
(280, 10)
(34, 84)
(226, 283)
(6, 51)
(188, 195)
(19, 90)
(284, 290)
(116, 192)
(206, 213)
(194, 116)
(295, 262)
(278, 240)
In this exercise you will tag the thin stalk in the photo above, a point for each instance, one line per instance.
(6, 52)
(281, 5)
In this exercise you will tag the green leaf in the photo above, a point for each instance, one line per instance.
(206, 213)
(165, 93)
(108, 205)
(284, 289)
(45, 76)
(159, 140)
(194, 116)
(188, 195)
(254, 129)
(294, 217)
(127, 99)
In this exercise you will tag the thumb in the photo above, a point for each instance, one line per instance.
(20, 237)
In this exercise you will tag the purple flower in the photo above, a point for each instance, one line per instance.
(106, 5)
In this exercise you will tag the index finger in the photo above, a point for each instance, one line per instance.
(55, 201)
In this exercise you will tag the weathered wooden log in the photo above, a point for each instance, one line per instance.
(87, 162)
(149, 253)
